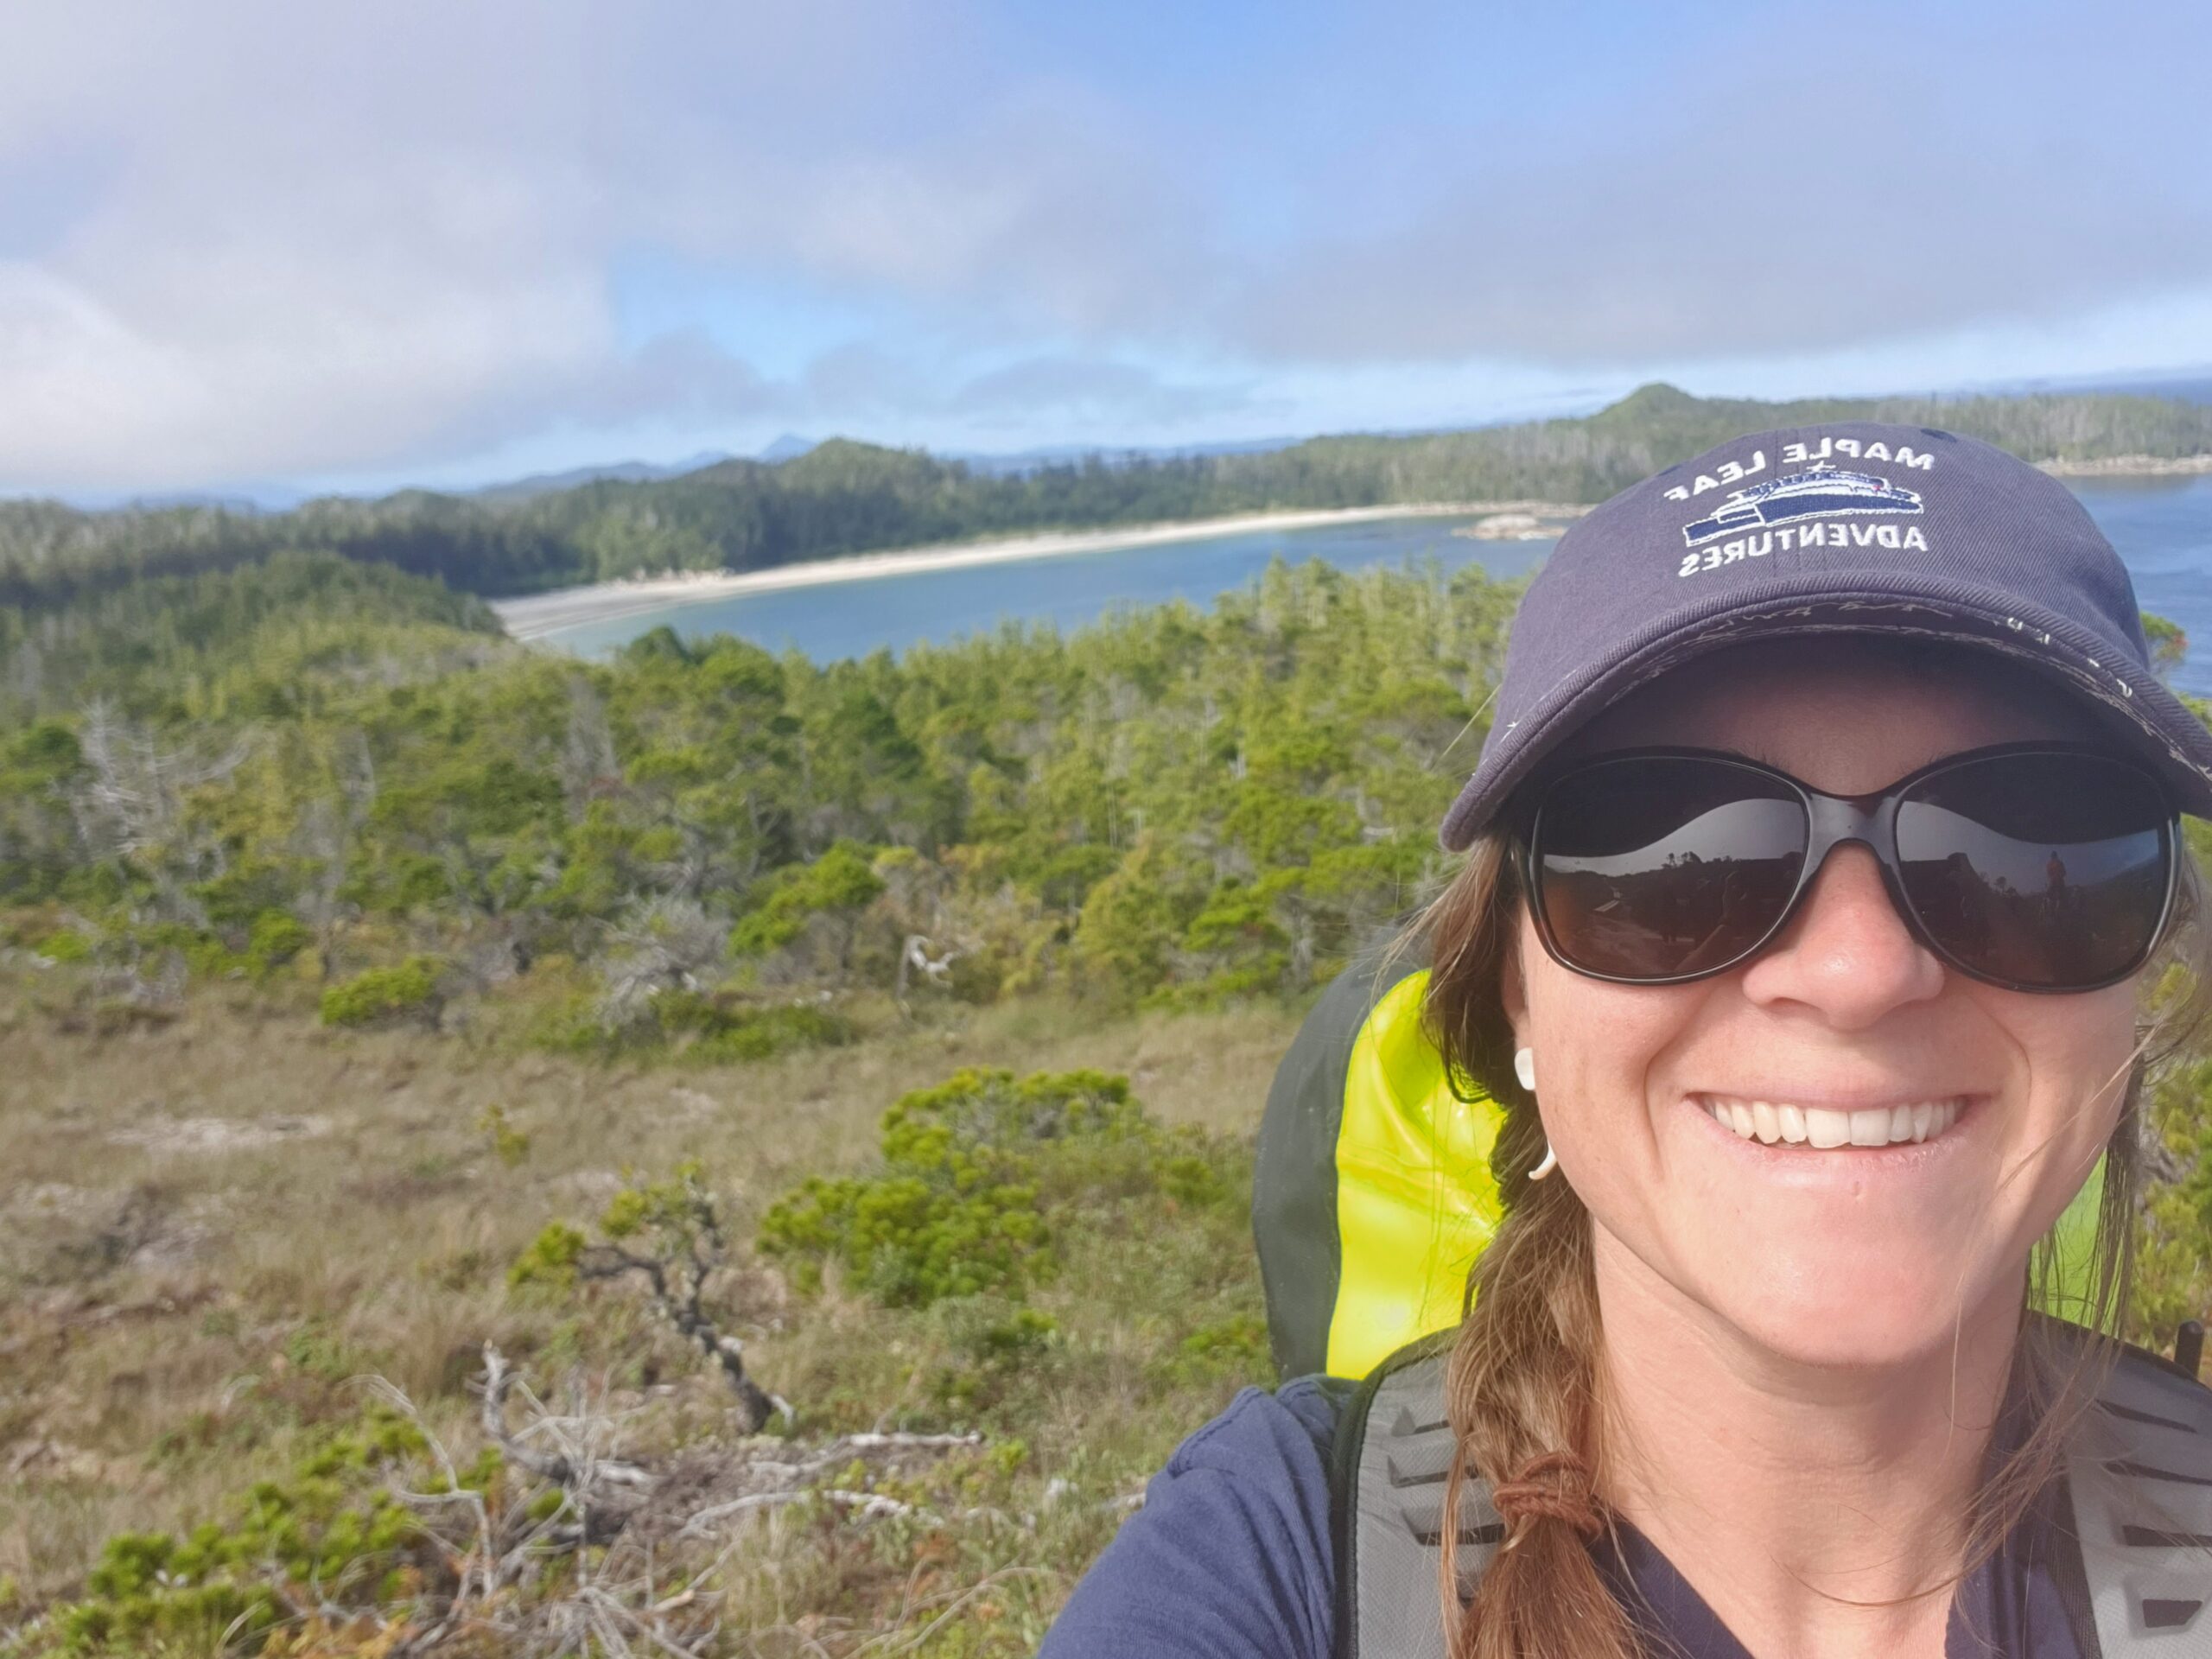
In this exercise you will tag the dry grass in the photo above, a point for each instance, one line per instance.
(206, 1229)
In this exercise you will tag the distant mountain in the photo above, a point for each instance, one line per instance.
(841, 497)
(243, 504)
(2194, 386)
(627, 471)
(241, 497)
(789, 447)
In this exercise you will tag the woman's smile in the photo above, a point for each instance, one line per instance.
(1797, 1126)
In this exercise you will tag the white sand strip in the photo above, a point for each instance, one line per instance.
(2131, 467)
(535, 615)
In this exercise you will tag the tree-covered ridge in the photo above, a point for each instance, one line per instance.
(254, 639)
(1173, 804)
(844, 497)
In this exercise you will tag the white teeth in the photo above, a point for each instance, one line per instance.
(1771, 1122)
(1825, 1128)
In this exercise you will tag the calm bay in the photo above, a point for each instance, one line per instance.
(2161, 526)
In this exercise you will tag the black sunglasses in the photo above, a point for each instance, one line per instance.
(2035, 866)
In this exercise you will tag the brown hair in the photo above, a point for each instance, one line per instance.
(1522, 1384)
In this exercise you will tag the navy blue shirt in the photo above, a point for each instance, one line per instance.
(1230, 1558)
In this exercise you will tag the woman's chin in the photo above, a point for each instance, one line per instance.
(1863, 1319)
(1850, 1256)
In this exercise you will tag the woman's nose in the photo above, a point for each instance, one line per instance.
(1846, 953)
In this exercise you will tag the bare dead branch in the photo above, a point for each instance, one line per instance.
(568, 1468)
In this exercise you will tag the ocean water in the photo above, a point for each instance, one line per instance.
(2162, 527)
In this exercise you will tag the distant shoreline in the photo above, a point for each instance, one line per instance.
(533, 616)
(2131, 467)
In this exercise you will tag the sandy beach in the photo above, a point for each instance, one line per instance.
(535, 615)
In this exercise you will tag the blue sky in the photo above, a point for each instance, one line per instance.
(252, 244)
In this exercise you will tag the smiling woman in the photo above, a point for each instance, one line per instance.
(1806, 935)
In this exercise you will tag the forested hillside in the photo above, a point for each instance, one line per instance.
(1175, 806)
(846, 497)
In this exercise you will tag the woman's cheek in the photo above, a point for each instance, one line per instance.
(2078, 1053)
(1601, 1056)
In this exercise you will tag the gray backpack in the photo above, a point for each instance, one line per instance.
(2140, 1483)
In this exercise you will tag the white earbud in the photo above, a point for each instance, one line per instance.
(1525, 1067)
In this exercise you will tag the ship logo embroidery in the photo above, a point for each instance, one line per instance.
(1819, 492)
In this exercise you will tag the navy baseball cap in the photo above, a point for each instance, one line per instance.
(1853, 527)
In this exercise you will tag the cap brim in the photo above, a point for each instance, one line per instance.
(2176, 743)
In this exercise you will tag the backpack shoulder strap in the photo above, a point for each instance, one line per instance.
(1392, 1453)
(2140, 1484)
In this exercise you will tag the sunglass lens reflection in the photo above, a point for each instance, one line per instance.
(1658, 867)
(2044, 871)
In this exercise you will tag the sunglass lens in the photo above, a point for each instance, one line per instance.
(2048, 872)
(1660, 867)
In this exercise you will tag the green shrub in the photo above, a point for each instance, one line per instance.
(206, 953)
(838, 885)
(66, 946)
(2169, 645)
(324, 1538)
(552, 1258)
(977, 1175)
(510, 1143)
(2173, 1280)
(909, 1241)
(999, 1348)
(410, 989)
(697, 1028)
(1233, 1350)
(760, 1033)
(277, 938)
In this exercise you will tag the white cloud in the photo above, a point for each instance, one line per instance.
(281, 271)
(252, 239)
(330, 238)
